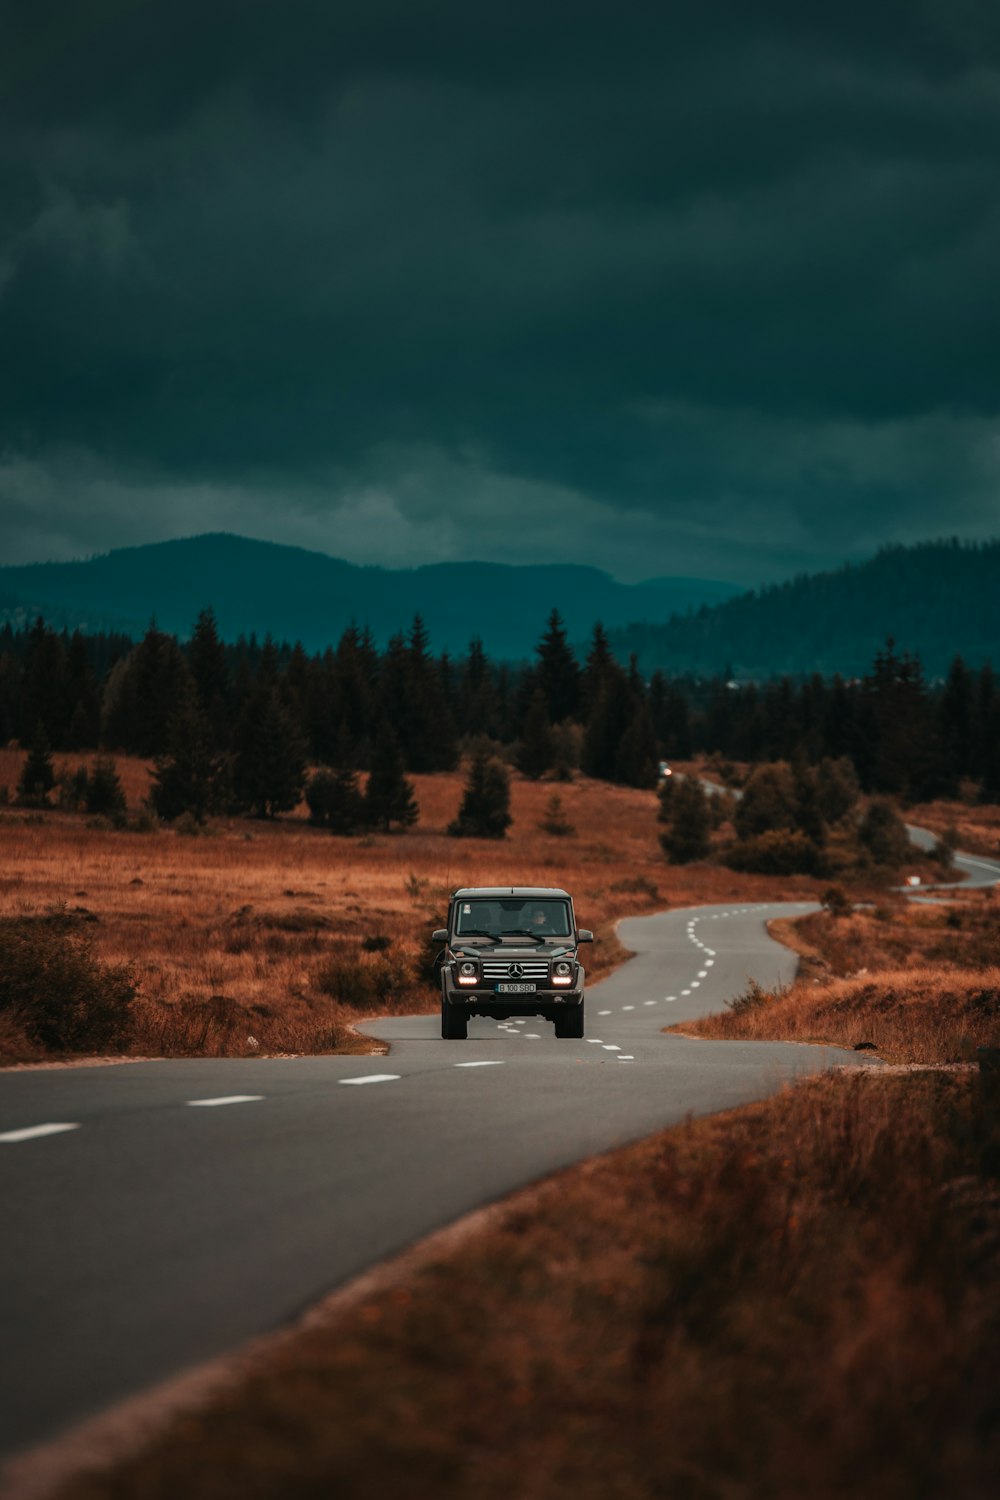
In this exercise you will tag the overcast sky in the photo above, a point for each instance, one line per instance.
(671, 287)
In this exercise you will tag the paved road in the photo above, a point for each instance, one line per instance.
(194, 1204)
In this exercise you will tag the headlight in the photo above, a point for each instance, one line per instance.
(562, 973)
(466, 973)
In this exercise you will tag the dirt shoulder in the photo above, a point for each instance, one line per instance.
(788, 1299)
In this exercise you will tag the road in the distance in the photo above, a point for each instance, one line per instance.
(198, 1203)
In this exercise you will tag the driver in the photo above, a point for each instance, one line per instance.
(540, 920)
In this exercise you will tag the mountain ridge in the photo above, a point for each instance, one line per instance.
(294, 593)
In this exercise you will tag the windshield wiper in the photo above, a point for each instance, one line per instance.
(524, 932)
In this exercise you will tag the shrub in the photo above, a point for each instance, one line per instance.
(779, 851)
(60, 995)
(363, 982)
(837, 902)
(754, 997)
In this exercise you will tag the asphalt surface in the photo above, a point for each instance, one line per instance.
(161, 1231)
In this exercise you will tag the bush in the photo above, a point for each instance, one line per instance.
(837, 902)
(363, 982)
(777, 852)
(60, 995)
(754, 997)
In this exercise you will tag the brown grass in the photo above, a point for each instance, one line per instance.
(916, 983)
(229, 934)
(976, 825)
(799, 1298)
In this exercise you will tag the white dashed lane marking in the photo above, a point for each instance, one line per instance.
(595, 1041)
(649, 1002)
(373, 1078)
(223, 1099)
(532, 1036)
(34, 1132)
(604, 1013)
(628, 1007)
(488, 1062)
(611, 1047)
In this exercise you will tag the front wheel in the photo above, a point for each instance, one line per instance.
(454, 1022)
(569, 1023)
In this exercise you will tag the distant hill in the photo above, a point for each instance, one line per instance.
(936, 599)
(299, 595)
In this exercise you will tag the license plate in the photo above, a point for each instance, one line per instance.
(516, 989)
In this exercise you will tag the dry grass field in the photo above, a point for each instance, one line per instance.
(919, 984)
(258, 937)
(795, 1299)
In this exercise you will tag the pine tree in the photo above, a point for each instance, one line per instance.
(207, 658)
(269, 767)
(599, 662)
(485, 809)
(535, 749)
(609, 719)
(687, 836)
(104, 795)
(636, 758)
(334, 797)
(37, 774)
(554, 820)
(44, 698)
(477, 701)
(143, 693)
(192, 777)
(557, 673)
(389, 796)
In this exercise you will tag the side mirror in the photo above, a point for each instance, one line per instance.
(585, 935)
(440, 935)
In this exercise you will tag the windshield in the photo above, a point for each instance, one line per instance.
(524, 916)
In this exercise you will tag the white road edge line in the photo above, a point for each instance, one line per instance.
(34, 1133)
(373, 1078)
(224, 1099)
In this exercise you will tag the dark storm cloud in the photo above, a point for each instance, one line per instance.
(677, 287)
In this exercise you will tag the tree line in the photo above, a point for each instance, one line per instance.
(235, 726)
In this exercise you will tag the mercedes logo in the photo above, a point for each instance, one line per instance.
(515, 971)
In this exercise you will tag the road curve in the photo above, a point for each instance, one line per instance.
(184, 1207)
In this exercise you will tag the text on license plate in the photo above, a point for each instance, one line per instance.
(520, 988)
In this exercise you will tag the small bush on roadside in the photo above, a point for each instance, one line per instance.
(754, 997)
(362, 981)
(837, 902)
(63, 999)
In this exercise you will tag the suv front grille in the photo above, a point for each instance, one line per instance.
(530, 968)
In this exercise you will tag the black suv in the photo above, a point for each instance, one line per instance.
(511, 951)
